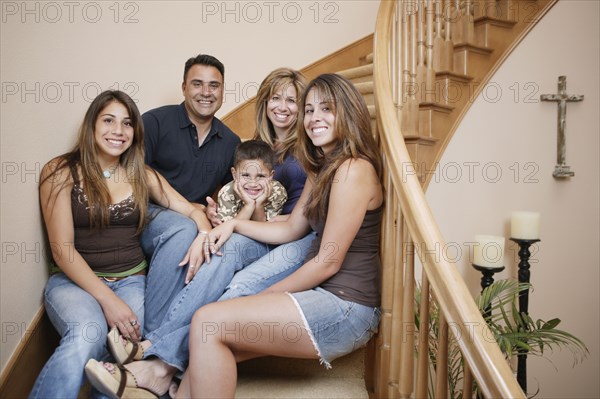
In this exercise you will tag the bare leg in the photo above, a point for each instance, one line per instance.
(225, 332)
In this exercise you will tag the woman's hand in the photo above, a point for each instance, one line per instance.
(119, 314)
(219, 235)
(196, 255)
(212, 212)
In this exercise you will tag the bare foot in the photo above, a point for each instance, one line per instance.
(153, 374)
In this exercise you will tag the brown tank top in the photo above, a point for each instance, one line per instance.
(112, 249)
(358, 279)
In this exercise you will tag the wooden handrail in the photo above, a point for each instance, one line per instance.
(484, 358)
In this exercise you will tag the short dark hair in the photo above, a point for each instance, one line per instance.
(203, 59)
(254, 150)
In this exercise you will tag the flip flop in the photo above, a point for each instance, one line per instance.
(116, 385)
(123, 350)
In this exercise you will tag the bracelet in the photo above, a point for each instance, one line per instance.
(203, 232)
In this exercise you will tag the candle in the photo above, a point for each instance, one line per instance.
(488, 251)
(525, 225)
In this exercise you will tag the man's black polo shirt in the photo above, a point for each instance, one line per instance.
(171, 143)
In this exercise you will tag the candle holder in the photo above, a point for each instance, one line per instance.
(486, 280)
(524, 276)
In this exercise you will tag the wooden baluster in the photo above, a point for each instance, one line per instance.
(421, 49)
(448, 44)
(468, 22)
(405, 55)
(405, 385)
(425, 73)
(389, 254)
(395, 59)
(397, 302)
(423, 355)
(467, 381)
(409, 118)
(490, 8)
(456, 18)
(464, 27)
(429, 71)
(441, 369)
(439, 59)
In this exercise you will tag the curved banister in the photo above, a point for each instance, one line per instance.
(483, 356)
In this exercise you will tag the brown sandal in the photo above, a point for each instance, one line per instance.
(116, 385)
(123, 350)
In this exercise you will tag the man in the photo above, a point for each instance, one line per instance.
(186, 143)
(194, 151)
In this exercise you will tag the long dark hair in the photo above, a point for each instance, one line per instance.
(353, 139)
(83, 158)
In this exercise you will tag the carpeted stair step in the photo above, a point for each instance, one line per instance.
(274, 377)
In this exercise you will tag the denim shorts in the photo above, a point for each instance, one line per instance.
(336, 326)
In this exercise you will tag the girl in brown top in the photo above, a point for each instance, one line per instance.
(94, 201)
(329, 306)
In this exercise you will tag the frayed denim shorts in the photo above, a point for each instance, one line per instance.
(336, 326)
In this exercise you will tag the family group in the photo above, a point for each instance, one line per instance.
(171, 237)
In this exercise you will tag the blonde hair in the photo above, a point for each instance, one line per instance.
(281, 77)
(85, 156)
(353, 139)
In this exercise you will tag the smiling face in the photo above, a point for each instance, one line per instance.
(282, 109)
(319, 121)
(203, 92)
(253, 176)
(113, 131)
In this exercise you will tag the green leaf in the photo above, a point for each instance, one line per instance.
(550, 324)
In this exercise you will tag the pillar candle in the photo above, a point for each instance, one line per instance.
(525, 225)
(488, 251)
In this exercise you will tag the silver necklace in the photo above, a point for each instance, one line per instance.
(109, 172)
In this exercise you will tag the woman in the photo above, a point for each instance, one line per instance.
(335, 295)
(94, 201)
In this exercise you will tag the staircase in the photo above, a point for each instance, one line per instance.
(419, 74)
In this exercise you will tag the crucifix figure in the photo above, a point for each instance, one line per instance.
(562, 98)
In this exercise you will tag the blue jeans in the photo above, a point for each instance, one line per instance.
(165, 241)
(257, 265)
(270, 269)
(79, 320)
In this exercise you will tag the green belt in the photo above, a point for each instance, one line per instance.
(141, 266)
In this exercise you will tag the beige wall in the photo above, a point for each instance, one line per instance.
(56, 56)
(508, 130)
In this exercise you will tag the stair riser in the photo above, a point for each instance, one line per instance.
(433, 123)
(490, 35)
(468, 62)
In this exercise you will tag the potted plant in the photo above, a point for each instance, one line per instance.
(512, 329)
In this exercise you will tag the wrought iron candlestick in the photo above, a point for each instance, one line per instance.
(524, 276)
(486, 280)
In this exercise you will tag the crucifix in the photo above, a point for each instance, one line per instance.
(562, 98)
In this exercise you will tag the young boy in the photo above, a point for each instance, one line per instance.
(253, 194)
